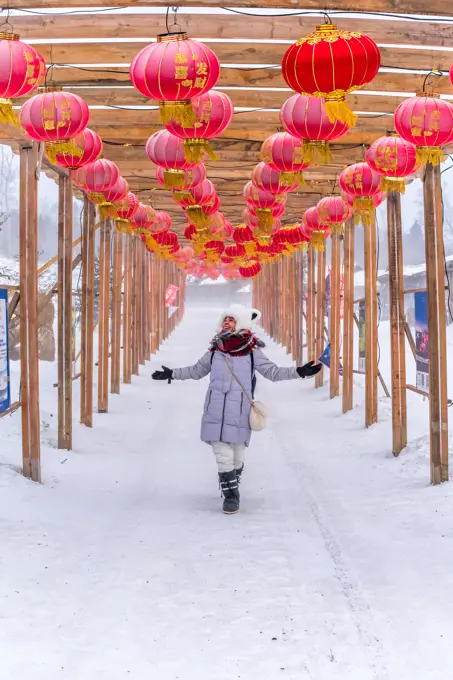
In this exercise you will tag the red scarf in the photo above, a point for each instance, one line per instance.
(237, 344)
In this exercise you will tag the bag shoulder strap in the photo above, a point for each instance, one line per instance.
(237, 379)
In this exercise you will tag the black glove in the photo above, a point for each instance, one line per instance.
(308, 370)
(166, 374)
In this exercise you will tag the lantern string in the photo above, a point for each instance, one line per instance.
(7, 21)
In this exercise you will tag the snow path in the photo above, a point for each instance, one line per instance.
(122, 566)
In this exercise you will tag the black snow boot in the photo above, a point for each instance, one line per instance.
(239, 473)
(230, 491)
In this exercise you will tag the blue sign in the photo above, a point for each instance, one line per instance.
(325, 359)
(421, 340)
(5, 390)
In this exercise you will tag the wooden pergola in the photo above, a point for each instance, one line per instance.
(89, 52)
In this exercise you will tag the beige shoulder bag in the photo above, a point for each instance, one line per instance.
(258, 413)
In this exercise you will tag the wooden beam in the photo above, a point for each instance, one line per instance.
(116, 313)
(104, 309)
(335, 316)
(371, 367)
(127, 310)
(397, 339)
(28, 270)
(348, 320)
(397, 81)
(202, 26)
(87, 354)
(65, 348)
(436, 7)
(437, 345)
(320, 311)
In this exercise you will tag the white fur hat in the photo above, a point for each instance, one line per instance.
(246, 318)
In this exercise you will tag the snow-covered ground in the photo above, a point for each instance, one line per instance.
(121, 565)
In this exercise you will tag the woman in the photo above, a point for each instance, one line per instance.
(234, 356)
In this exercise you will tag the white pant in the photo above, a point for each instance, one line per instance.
(228, 456)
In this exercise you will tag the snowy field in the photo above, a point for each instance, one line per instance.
(121, 565)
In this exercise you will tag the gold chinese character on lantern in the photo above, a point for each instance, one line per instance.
(202, 68)
(181, 72)
(200, 82)
(298, 155)
(194, 56)
(180, 58)
(187, 83)
(434, 122)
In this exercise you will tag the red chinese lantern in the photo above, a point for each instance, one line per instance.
(162, 222)
(89, 146)
(163, 243)
(213, 250)
(213, 113)
(379, 198)
(362, 182)
(114, 194)
(395, 159)
(96, 178)
(291, 236)
(55, 117)
(192, 177)
(268, 179)
(243, 235)
(197, 236)
(315, 228)
(236, 253)
(334, 211)
(212, 206)
(167, 151)
(174, 70)
(427, 122)
(347, 198)
(306, 118)
(143, 219)
(286, 153)
(263, 202)
(193, 201)
(125, 210)
(329, 63)
(220, 226)
(21, 71)
(250, 269)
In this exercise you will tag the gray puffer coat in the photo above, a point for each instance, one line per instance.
(227, 408)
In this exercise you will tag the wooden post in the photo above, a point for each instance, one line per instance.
(320, 312)
(65, 349)
(146, 306)
(437, 348)
(87, 314)
(104, 315)
(311, 306)
(397, 330)
(29, 362)
(127, 310)
(335, 317)
(370, 322)
(348, 320)
(116, 312)
(135, 319)
(139, 299)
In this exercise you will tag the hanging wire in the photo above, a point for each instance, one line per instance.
(429, 75)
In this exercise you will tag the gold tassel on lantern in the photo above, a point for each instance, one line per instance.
(181, 113)
(121, 225)
(265, 220)
(393, 184)
(250, 247)
(338, 109)
(195, 149)
(363, 210)
(317, 152)
(318, 239)
(66, 147)
(106, 210)
(7, 115)
(430, 154)
(174, 179)
(197, 216)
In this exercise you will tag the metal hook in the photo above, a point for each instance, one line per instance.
(7, 22)
(175, 14)
(327, 18)
(436, 73)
